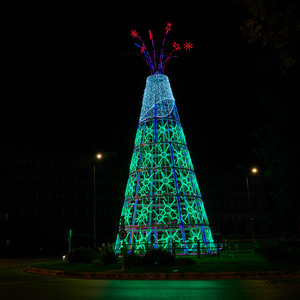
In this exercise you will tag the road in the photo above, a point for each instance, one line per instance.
(15, 284)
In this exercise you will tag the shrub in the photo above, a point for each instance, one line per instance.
(133, 259)
(108, 256)
(185, 261)
(82, 255)
(278, 251)
(159, 257)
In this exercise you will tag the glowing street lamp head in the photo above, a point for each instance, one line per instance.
(254, 170)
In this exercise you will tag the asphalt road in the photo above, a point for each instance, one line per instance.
(15, 284)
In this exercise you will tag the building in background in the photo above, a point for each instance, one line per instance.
(230, 210)
(44, 195)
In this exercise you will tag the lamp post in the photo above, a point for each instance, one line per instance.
(253, 171)
(98, 157)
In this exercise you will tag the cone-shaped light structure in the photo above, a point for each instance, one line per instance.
(163, 204)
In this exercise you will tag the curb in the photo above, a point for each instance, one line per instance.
(118, 275)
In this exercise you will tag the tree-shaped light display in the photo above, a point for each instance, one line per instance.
(163, 206)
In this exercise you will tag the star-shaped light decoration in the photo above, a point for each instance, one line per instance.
(188, 46)
(156, 60)
(168, 28)
(176, 46)
(143, 48)
(134, 33)
(150, 35)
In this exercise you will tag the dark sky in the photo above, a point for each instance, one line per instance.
(74, 84)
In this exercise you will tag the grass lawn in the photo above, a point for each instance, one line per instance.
(237, 263)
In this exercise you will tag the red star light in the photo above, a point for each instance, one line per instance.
(156, 60)
(150, 35)
(134, 34)
(188, 46)
(168, 28)
(176, 46)
(143, 48)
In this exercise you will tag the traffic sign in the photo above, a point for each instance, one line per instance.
(122, 234)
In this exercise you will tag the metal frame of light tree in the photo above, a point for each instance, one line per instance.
(163, 204)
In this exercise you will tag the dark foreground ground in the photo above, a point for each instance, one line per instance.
(239, 262)
(16, 284)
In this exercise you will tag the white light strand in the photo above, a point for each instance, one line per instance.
(158, 99)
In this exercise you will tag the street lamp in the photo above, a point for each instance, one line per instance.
(253, 171)
(98, 157)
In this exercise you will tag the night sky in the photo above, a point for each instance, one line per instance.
(73, 82)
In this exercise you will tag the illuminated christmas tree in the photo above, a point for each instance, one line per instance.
(163, 205)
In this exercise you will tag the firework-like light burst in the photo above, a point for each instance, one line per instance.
(156, 60)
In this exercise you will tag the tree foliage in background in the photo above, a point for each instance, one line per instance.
(273, 29)
(275, 23)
